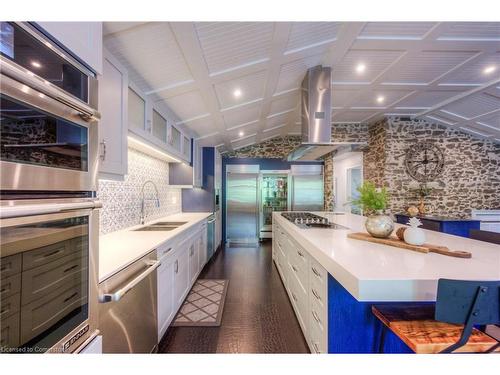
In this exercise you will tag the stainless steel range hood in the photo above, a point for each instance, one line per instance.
(316, 117)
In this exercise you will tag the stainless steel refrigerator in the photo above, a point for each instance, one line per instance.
(273, 197)
(241, 203)
(306, 187)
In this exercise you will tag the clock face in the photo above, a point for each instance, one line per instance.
(424, 161)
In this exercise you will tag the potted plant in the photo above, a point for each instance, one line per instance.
(374, 201)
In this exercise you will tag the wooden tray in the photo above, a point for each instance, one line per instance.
(396, 242)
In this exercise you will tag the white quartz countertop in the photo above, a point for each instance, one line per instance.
(375, 272)
(119, 249)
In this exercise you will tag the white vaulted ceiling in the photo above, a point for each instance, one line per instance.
(236, 83)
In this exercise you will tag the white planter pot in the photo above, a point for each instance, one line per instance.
(414, 236)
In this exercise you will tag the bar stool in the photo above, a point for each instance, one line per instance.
(449, 325)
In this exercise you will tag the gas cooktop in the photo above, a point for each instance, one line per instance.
(307, 220)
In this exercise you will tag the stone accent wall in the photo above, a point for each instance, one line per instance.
(470, 179)
(276, 148)
(328, 182)
(374, 156)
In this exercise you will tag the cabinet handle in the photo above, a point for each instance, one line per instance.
(70, 297)
(176, 266)
(316, 272)
(166, 251)
(316, 294)
(315, 316)
(191, 253)
(294, 297)
(316, 347)
(70, 268)
(103, 153)
(295, 269)
(302, 255)
(51, 253)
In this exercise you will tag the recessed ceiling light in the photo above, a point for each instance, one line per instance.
(36, 64)
(489, 69)
(241, 134)
(380, 99)
(237, 93)
(360, 68)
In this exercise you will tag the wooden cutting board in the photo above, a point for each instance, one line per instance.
(396, 242)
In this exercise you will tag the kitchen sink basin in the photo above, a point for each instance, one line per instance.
(164, 226)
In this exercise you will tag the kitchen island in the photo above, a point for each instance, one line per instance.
(360, 274)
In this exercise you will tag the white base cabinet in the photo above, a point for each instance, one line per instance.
(182, 260)
(306, 283)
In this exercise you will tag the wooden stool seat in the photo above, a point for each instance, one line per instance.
(416, 327)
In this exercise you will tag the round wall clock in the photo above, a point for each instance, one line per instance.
(424, 161)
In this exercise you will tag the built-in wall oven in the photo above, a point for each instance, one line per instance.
(49, 275)
(48, 115)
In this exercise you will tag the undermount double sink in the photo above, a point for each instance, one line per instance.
(161, 226)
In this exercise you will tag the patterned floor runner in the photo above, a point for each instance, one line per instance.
(204, 304)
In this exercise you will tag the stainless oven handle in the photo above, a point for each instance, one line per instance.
(23, 75)
(42, 209)
(211, 221)
(116, 296)
(87, 341)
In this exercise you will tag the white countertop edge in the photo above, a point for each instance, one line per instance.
(148, 247)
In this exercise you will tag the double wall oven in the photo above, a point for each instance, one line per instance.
(49, 215)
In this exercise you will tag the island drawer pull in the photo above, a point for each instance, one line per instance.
(298, 252)
(295, 268)
(316, 347)
(166, 251)
(315, 316)
(294, 297)
(316, 272)
(315, 294)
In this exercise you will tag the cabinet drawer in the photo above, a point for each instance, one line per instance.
(318, 337)
(47, 254)
(318, 292)
(10, 285)
(300, 303)
(10, 305)
(299, 270)
(10, 265)
(41, 314)
(40, 281)
(9, 332)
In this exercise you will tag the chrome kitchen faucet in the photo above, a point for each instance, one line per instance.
(157, 200)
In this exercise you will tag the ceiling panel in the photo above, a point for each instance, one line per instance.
(379, 98)
(292, 73)
(211, 140)
(491, 121)
(426, 66)
(242, 131)
(115, 27)
(426, 99)
(352, 116)
(442, 117)
(395, 30)
(202, 126)
(250, 88)
(479, 71)
(277, 120)
(309, 34)
(375, 62)
(472, 31)
(227, 45)
(284, 104)
(243, 142)
(195, 108)
(342, 97)
(151, 55)
(241, 116)
(473, 106)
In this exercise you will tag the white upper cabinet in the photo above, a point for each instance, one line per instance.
(159, 126)
(83, 39)
(113, 126)
(175, 138)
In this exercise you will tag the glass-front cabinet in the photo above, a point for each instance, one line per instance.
(136, 110)
(273, 197)
(159, 126)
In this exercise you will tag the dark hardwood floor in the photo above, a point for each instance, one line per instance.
(258, 317)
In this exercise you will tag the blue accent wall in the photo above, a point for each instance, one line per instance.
(265, 164)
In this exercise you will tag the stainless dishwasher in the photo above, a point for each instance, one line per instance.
(128, 308)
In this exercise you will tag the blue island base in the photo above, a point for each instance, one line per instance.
(352, 327)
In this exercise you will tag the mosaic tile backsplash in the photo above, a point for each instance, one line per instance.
(122, 199)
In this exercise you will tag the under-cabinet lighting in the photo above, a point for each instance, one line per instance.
(36, 64)
(144, 147)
